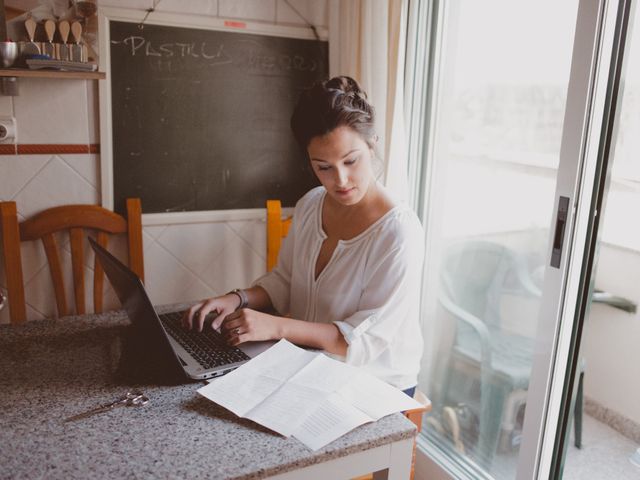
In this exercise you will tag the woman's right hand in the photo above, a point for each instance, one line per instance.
(220, 306)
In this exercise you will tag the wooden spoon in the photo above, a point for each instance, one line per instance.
(77, 50)
(63, 48)
(76, 31)
(30, 25)
(50, 30)
(30, 48)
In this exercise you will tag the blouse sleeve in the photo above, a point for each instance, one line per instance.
(390, 298)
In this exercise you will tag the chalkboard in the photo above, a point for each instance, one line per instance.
(200, 118)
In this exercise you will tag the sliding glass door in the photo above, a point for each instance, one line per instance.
(606, 328)
(508, 96)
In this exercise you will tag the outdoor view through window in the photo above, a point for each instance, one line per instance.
(501, 99)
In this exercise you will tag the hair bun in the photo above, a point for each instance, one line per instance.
(330, 104)
(346, 85)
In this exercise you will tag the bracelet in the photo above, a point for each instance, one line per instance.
(244, 300)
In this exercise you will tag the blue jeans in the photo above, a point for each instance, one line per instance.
(410, 391)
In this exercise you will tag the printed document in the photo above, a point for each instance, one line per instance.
(307, 395)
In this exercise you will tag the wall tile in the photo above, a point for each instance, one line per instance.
(34, 260)
(6, 105)
(84, 165)
(154, 231)
(254, 233)
(195, 245)
(263, 10)
(198, 290)
(56, 184)
(16, 171)
(236, 267)
(52, 111)
(199, 7)
(39, 293)
(165, 277)
(111, 301)
(34, 257)
(314, 12)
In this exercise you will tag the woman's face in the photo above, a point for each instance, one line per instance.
(342, 161)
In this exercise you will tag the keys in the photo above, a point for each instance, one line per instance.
(130, 399)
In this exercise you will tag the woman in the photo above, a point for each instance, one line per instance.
(348, 274)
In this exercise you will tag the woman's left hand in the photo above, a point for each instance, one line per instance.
(246, 325)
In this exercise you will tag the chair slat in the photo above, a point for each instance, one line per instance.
(55, 268)
(277, 229)
(98, 276)
(75, 219)
(12, 261)
(70, 216)
(77, 263)
(134, 222)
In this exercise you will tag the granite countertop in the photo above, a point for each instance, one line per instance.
(52, 369)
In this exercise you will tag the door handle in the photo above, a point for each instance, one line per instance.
(558, 237)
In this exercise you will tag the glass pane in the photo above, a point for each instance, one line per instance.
(609, 356)
(505, 72)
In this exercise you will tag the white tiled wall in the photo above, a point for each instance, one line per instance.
(182, 262)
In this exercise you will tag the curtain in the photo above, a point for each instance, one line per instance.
(366, 42)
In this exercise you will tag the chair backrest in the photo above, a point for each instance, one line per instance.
(277, 229)
(74, 219)
(477, 273)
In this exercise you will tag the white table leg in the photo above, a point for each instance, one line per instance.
(399, 462)
(392, 461)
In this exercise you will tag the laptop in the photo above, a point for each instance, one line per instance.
(161, 342)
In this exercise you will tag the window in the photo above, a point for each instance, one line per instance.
(492, 151)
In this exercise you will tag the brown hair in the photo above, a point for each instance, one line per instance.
(333, 103)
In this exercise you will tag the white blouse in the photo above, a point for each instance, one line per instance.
(370, 288)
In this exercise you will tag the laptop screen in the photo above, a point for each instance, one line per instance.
(151, 348)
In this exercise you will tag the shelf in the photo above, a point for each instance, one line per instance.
(23, 73)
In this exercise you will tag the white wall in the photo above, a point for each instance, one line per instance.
(182, 262)
(611, 338)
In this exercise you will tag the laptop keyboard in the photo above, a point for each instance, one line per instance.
(207, 347)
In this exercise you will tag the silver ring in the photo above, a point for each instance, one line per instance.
(236, 331)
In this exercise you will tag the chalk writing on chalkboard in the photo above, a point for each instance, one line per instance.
(201, 117)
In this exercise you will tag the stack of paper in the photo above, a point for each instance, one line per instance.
(305, 394)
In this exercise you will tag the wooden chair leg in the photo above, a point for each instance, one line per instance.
(12, 262)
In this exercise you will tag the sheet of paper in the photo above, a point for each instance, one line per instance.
(374, 397)
(242, 395)
(286, 408)
(330, 420)
(324, 373)
(247, 386)
(305, 394)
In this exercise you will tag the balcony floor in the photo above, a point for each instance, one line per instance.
(604, 454)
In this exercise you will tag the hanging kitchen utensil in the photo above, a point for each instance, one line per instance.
(30, 47)
(48, 48)
(63, 48)
(78, 52)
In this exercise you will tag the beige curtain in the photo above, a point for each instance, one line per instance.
(366, 41)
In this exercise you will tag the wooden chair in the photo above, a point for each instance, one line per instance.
(44, 226)
(277, 229)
